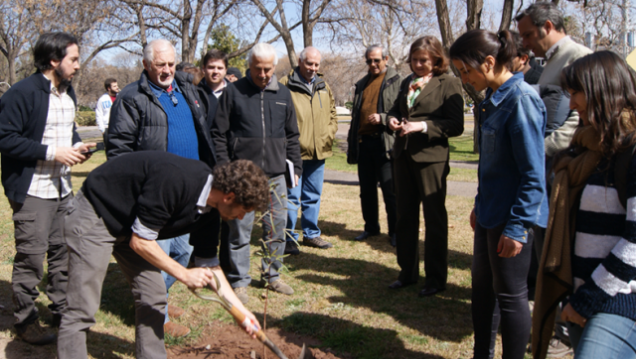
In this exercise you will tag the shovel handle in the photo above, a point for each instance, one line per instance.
(246, 322)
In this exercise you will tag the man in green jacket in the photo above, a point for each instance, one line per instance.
(370, 140)
(317, 123)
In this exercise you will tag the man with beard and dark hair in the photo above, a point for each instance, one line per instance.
(39, 144)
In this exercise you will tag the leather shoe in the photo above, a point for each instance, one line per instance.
(175, 312)
(365, 235)
(393, 240)
(429, 291)
(398, 284)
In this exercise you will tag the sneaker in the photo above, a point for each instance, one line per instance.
(316, 242)
(175, 330)
(175, 312)
(281, 287)
(35, 334)
(241, 294)
(291, 248)
(558, 349)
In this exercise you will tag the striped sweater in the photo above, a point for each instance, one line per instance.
(604, 262)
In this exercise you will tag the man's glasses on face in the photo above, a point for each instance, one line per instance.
(373, 61)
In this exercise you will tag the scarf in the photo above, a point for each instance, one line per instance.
(416, 86)
(554, 281)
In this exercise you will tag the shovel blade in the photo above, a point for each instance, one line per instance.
(305, 353)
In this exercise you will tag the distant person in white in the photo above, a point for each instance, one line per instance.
(102, 110)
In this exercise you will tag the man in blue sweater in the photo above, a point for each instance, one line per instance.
(39, 145)
(163, 112)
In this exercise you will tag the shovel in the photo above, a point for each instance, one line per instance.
(246, 322)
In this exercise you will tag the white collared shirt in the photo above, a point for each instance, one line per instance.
(554, 48)
(52, 179)
(219, 92)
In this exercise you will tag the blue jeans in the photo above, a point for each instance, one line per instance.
(608, 336)
(308, 194)
(179, 249)
(240, 233)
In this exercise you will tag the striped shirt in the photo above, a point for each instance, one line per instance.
(52, 179)
(604, 262)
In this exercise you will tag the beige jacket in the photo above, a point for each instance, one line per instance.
(316, 114)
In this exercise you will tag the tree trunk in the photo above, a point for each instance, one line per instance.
(443, 19)
(185, 31)
(12, 74)
(506, 16)
(308, 27)
(473, 14)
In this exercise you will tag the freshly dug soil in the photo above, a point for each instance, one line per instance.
(223, 340)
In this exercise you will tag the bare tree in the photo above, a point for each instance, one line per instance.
(506, 15)
(281, 26)
(16, 29)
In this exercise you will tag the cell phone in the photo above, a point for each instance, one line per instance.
(98, 147)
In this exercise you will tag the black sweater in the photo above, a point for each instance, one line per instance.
(257, 125)
(159, 188)
(23, 113)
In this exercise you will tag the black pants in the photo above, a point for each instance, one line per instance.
(374, 167)
(425, 184)
(501, 281)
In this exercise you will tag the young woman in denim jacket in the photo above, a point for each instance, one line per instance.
(511, 196)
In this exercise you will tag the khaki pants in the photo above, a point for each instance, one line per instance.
(90, 246)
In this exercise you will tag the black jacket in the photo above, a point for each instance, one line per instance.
(257, 125)
(161, 189)
(209, 101)
(139, 123)
(23, 113)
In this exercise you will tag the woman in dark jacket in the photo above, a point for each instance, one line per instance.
(428, 110)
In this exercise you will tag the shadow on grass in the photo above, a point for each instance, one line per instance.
(456, 259)
(99, 345)
(341, 335)
(365, 284)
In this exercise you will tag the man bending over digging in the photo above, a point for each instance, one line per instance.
(123, 208)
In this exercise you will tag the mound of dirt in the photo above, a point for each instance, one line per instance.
(222, 340)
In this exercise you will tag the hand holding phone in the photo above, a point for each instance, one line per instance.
(98, 147)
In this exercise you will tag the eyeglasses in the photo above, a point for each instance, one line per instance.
(373, 61)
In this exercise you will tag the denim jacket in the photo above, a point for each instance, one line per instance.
(511, 160)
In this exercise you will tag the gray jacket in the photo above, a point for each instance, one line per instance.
(139, 123)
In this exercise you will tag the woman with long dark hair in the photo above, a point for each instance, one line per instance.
(594, 194)
(428, 110)
(511, 196)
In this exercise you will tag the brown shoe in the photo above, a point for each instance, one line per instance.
(175, 330)
(35, 334)
(281, 287)
(175, 312)
(316, 242)
(241, 294)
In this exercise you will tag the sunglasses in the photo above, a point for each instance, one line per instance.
(373, 61)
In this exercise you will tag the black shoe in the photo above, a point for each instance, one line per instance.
(365, 235)
(398, 284)
(291, 248)
(429, 291)
(393, 240)
(36, 334)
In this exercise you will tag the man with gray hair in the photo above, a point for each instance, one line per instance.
(162, 112)
(255, 120)
(317, 123)
(370, 140)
